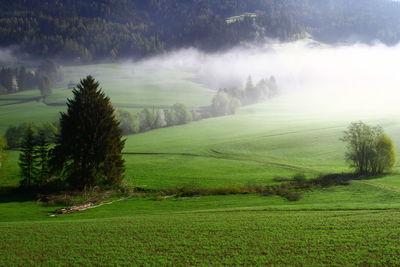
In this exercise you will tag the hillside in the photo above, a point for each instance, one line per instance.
(354, 223)
(86, 31)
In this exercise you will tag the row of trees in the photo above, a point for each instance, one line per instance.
(228, 100)
(45, 77)
(225, 102)
(152, 118)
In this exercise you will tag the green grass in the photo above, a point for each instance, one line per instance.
(27, 112)
(357, 196)
(208, 239)
(9, 173)
(131, 85)
(128, 87)
(339, 225)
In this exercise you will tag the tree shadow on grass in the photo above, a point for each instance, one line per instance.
(14, 194)
(372, 176)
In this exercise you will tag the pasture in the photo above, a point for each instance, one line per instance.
(355, 224)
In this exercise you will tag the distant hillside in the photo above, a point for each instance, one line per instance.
(90, 30)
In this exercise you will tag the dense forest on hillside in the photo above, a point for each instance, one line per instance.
(90, 30)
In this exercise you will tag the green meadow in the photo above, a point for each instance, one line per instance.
(355, 224)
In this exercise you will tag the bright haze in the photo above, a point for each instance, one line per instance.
(336, 78)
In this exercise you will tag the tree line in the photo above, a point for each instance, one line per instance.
(225, 102)
(44, 77)
(86, 31)
(228, 100)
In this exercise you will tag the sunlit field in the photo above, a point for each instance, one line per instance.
(277, 138)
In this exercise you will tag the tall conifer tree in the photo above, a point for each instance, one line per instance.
(28, 159)
(42, 152)
(89, 147)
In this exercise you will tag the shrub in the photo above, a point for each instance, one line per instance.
(299, 179)
(292, 195)
(369, 150)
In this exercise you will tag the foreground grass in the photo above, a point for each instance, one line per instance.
(208, 239)
(356, 196)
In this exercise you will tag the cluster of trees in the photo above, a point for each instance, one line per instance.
(82, 31)
(15, 134)
(228, 100)
(87, 150)
(152, 118)
(369, 150)
(45, 77)
(34, 159)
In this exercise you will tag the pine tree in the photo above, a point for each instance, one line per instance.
(89, 147)
(28, 159)
(42, 155)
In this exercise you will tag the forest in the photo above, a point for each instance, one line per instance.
(88, 31)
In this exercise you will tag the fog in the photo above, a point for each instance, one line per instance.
(313, 75)
(7, 56)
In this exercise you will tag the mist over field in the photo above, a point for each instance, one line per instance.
(349, 77)
(7, 56)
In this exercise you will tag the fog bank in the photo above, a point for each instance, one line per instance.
(343, 77)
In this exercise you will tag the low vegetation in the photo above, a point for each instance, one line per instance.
(369, 150)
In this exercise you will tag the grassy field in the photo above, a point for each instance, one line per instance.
(355, 224)
(209, 239)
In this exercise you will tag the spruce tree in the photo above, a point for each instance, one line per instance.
(89, 147)
(28, 159)
(42, 155)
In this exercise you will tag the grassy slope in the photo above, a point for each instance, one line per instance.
(127, 86)
(259, 143)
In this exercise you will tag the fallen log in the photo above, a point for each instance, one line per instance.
(74, 209)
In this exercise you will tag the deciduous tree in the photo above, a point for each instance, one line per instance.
(369, 150)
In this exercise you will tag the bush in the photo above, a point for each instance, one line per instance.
(369, 150)
(292, 195)
(299, 179)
